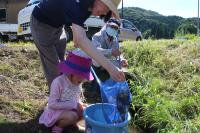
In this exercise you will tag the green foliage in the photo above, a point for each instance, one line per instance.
(155, 25)
(168, 98)
(186, 27)
(186, 36)
(2, 119)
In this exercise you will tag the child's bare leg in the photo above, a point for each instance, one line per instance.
(67, 118)
(81, 124)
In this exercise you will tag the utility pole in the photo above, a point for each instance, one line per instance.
(122, 9)
(198, 20)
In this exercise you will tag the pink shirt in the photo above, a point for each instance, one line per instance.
(63, 94)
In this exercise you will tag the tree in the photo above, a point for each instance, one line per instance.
(153, 24)
(186, 28)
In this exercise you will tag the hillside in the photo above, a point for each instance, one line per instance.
(155, 25)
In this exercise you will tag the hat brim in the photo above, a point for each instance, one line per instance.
(112, 7)
(63, 68)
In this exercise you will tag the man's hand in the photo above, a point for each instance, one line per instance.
(124, 63)
(116, 52)
(117, 74)
(76, 46)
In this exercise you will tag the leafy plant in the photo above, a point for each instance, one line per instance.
(167, 99)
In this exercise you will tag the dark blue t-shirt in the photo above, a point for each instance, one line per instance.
(61, 12)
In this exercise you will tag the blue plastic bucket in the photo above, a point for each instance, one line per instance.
(96, 123)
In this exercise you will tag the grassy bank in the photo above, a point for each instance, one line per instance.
(166, 90)
(166, 98)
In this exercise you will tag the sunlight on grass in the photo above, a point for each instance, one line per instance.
(27, 108)
(6, 67)
(168, 99)
(13, 44)
(2, 119)
(166, 86)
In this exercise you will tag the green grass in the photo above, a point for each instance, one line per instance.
(166, 89)
(169, 98)
(2, 119)
(17, 44)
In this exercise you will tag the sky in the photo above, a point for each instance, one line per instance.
(183, 8)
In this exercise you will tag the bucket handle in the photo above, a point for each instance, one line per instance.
(96, 77)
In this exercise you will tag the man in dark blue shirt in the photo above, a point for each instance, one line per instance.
(47, 21)
(59, 12)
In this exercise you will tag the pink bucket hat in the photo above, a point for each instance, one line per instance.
(78, 65)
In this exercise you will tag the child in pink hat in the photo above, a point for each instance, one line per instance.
(64, 105)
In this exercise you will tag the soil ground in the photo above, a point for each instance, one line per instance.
(23, 91)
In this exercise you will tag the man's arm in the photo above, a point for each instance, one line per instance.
(105, 52)
(80, 38)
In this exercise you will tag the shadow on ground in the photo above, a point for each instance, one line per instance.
(31, 126)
